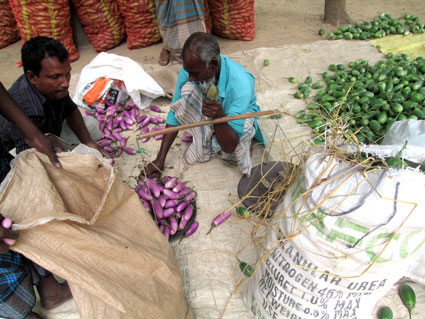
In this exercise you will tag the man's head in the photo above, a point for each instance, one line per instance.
(46, 66)
(201, 57)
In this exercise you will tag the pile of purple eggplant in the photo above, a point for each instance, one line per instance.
(115, 119)
(171, 203)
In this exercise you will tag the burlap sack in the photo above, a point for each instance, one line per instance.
(85, 225)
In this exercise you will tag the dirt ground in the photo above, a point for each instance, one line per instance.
(278, 22)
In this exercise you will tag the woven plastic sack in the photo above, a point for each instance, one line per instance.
(45, 18)
(102, 22)
(140, 21)
(233, 19)
(208, 23)
(82, 223)
(9, 32)
(342, 238)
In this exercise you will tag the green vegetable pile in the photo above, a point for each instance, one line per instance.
(364, 99)
(379, 27)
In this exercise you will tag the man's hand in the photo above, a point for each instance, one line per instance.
(96, 146)
(212, 109)
(45, 145)
(155, 167)
(225, 134)
(6, 234)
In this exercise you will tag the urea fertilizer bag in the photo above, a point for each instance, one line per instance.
(344, 237)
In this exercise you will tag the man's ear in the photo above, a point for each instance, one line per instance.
(31, 77)
(215, 65)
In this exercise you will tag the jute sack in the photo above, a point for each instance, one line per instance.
(85, 225)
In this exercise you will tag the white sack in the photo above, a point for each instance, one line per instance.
(141, 87)
(342, 243)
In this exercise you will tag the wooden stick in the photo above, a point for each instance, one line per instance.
(209, 122)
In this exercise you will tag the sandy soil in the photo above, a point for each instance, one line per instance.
(278, 22)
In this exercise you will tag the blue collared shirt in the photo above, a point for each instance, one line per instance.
(236, 91)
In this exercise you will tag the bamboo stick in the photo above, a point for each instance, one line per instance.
(209, 122)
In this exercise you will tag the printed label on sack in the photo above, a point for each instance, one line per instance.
(290, 286)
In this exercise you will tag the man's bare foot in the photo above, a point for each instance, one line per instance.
(52, 293)
(33, 315)
(164, 57)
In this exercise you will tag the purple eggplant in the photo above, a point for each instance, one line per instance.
(141, 118)
(157, 209)
(169, 212)
(129, 150)
(180, 207)
(182, 224)
(174, 226)
(190, 196)
(162, 199)
(145, 195)
(170, 194)
(155, 108)
(171, 183)
(166, 232)
(153, 186)
(219, 219)
(179, 187)
(192, 229)
(188, 212)
(171, 203)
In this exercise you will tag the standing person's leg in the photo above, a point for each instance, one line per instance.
(176, 25)
(164, 57)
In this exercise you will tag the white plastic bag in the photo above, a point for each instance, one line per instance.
(141, 87)
(411, 130)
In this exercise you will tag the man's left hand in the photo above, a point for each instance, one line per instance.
(212, 109)
(45, 145)
(96, 146)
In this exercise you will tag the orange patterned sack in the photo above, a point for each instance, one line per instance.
(207, 17)
(233, 19)
(102, 22)
(46, 18)
(9, 32)
(140, 21)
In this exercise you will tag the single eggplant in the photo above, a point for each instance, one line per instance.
(219, 219)
(170, 194)
(157, 209)
(171, 183)
(192, 229)
(169, 212)
(171, 203)
(129, 150)
(174, 225)
(153, 186)
(188, 212)
(180, 207)
(155, 108)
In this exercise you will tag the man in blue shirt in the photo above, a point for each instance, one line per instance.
(204, 66)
